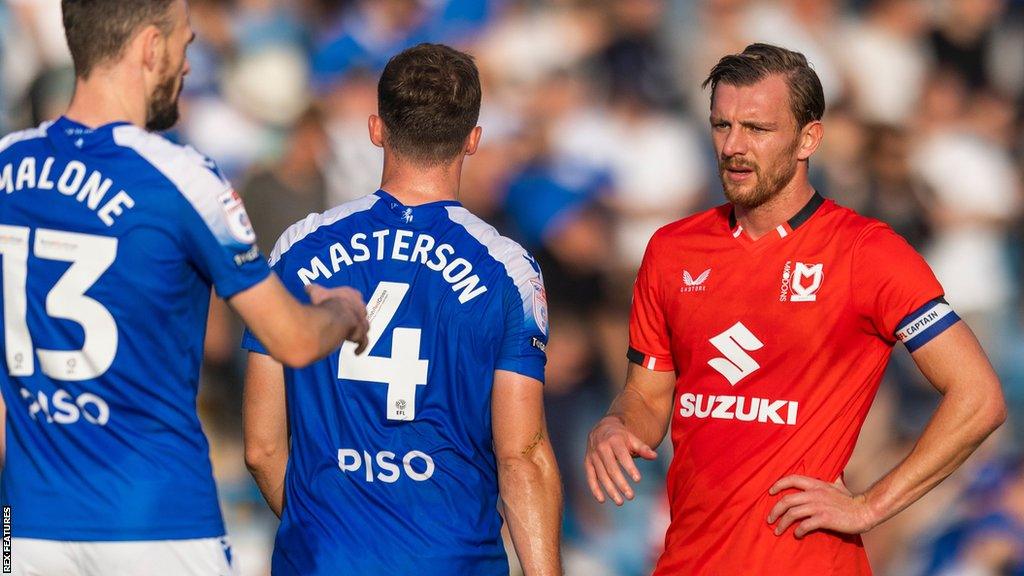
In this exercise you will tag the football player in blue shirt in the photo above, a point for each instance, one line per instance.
(110, 240)
(405, 459)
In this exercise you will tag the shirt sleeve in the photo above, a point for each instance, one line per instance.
(896, 292)
(524, 345)
(649, 343)
(216, 228)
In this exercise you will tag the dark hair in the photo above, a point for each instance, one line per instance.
(758, 61)
(99, 30)
(429, 100)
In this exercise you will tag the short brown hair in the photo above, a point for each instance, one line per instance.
(99, 30)
(429, 100)
(758, 61)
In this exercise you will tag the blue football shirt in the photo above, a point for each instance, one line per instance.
(110, 240)
(392, 469)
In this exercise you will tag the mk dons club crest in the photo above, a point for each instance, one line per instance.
(801, 282)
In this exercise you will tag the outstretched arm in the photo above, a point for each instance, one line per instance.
(296, 334)
(635, 425)
(972, 407)
(529, 483)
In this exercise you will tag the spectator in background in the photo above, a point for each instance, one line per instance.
(806, 26)
(553, 202)
(268, 79)
(41, 21)
(294, 186)
(529, 44)
(250, 81)
(38, 59)
(886, 60)
(636, 50)
(988, 538)
(962, 40)
(50, 93)
(974, 196)
(370, 31)
(895, 196)
(719, 28)
(365, 37)
(355, 163)
(653, 155)
(348, 56)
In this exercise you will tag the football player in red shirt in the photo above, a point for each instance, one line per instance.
(760, 329)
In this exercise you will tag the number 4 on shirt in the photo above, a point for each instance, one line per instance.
(403, 371)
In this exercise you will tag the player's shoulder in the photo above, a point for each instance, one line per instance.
(852, 226)
(186, 168)
(693, 226)
(295, 234)
(526, 280)
(520, 265)
(9, 142)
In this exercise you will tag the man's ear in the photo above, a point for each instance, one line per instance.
(376, 126)
(810, 139)
(149, 48)
(473, 141)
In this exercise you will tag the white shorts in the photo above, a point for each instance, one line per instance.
(201, 557)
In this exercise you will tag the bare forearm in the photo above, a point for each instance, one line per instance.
(314, 333)
(956, 429)
(295, 334)
(645, 419)
(531, 491)
(269, 473)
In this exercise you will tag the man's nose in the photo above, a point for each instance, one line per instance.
(735, 143)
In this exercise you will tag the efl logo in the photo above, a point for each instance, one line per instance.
(691, 284)
(236, 217)
(800, 283)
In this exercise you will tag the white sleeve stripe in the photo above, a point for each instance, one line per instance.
(30, 134)
(310, 224)
(184, 168)
(927, 318)
(651, 363)
(506, 251)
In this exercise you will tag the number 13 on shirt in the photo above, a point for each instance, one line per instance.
(403, 371)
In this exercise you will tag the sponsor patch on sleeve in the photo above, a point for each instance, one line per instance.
(925, 323)
(540, 304)
(236, 217)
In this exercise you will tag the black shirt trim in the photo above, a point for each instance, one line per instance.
(802, 216)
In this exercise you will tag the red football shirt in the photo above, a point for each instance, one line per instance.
(778, 347)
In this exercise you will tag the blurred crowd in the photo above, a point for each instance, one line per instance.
(595, 134)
